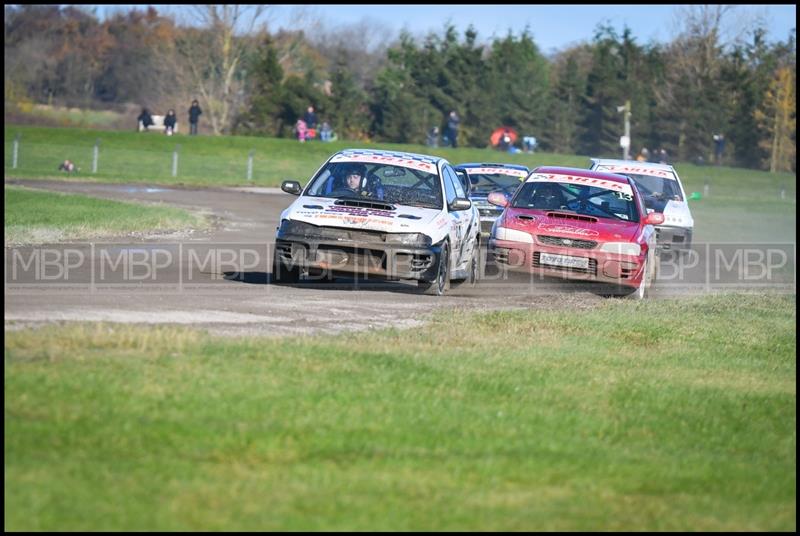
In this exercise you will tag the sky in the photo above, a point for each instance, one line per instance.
(554, 27)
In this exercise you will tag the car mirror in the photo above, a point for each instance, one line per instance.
(291, 187)
(655, 218)
(497, 199)
(460, 203)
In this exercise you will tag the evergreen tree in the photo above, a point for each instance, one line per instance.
(263, 114)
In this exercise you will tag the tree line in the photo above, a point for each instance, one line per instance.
(255, 82)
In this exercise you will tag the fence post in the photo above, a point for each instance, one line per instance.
(175, 160)
(250, 165)
(16, 151)
(96, 155)
(706, 188)
(783, 191)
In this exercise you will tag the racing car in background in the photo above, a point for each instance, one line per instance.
(485, 178)
(385, 214)
(578, 224)
(663, 192)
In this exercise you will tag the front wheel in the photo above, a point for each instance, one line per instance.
(283, 274)
(441, 283)
(473, 270)
(648, 276)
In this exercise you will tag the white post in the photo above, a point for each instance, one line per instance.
(96, 155)
(250, 165)
(705, 188)
(175, 161)
(16, 151)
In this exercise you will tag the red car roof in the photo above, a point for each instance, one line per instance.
(580, 172)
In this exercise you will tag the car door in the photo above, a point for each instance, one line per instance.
(462, 221)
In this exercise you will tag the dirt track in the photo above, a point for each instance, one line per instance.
(233, 300)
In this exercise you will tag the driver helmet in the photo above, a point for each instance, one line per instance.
(548, 196)
(355, 169)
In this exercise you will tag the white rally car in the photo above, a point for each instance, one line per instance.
(384, 214)
(663, 192)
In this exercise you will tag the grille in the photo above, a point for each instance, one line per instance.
(591, 270)
(574, 243)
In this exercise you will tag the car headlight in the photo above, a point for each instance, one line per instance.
(409, 239)
(295, 228)
(504, 233)
(622, 248)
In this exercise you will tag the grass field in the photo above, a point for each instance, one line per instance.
(34, 217)
(669, 415)
(742, 205)
(147, 157)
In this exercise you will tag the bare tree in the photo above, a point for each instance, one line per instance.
(214, 53)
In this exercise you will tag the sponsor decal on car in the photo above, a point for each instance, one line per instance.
(568, 229)
(497, 170)
(367, 158)
(638, 170)
(587, 181)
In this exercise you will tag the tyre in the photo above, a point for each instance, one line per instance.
(643, 290)
(283, 274)
(441, 283)
(474, 270)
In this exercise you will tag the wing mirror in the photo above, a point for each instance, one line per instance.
(497, 199)
(291, 187)
(655, 218)
(460, 203)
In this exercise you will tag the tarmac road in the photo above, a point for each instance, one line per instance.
(220, 279)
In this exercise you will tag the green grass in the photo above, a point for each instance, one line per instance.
(34, 217)
(643, 416)
(742, 205)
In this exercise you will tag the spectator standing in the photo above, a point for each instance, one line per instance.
(452, 128)
(311, 122)
(433, 137)
(301, 130)
(194, 117)
(644, 155)
(145, 119)
(169, 122)
(719, 147)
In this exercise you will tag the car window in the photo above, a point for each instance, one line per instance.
(577, 198)
(459, 188)
(488, 181)
(449, 188)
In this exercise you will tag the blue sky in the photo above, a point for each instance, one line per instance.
(553, 26)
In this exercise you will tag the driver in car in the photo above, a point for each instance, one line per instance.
(548, 196)
(354, 176)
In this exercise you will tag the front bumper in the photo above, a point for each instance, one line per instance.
(360, 258)
(603, 267)
(669, 238)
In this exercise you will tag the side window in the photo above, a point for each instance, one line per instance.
(464, 179)
(456, 182)
(449, 188)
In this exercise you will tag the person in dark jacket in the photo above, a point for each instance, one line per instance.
(145, 119)
(194, 116)
(452, 128)
(169, 123)
(310, 118)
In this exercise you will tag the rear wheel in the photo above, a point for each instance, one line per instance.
(441, 283)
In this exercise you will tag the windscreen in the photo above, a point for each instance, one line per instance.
(486, 179)
(393, 180)
(601, 199)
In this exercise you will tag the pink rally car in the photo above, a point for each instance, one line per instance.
(578, 224)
